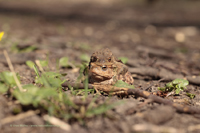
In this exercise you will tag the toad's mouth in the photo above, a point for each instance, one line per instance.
(102, 79)
(101, 76)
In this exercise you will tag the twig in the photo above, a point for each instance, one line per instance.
(157, 99)
(57, 122)
(153, 84)
(13, 71)
(145, 94)
(18, 117)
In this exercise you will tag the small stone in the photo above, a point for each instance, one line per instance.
(159, 115)
(180, 37)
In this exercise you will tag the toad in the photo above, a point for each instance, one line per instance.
(104, 70)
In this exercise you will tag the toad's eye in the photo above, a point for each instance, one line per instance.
(109, 59)
(104, 68)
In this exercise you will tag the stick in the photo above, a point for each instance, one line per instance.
(145, 94)
(13, 71)
(18, 117)
(157, 99)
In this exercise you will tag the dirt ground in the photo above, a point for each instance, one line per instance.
(151, 34)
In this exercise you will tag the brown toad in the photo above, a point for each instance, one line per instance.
(105, 69)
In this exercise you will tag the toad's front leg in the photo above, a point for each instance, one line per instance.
(111, 90)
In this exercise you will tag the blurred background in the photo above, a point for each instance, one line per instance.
(88, 25)
(162, 35)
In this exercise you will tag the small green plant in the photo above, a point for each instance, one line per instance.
(63, 62)
(7, 81)
(175, 86)
(3, 88)
(123, 59)
(44, 63)
(30, 64)
(27, 48)
(84, 46)
(191, 96)
(123, 84)
(34, 95)
(50, 95)
(85, 58)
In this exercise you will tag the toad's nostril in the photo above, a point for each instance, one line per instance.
(104, 68)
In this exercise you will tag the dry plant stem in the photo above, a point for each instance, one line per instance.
(146, 128)
(139, 92)
(39, 65)
(18, 117)
(13, 71)
(193, 128)
(57, 122)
